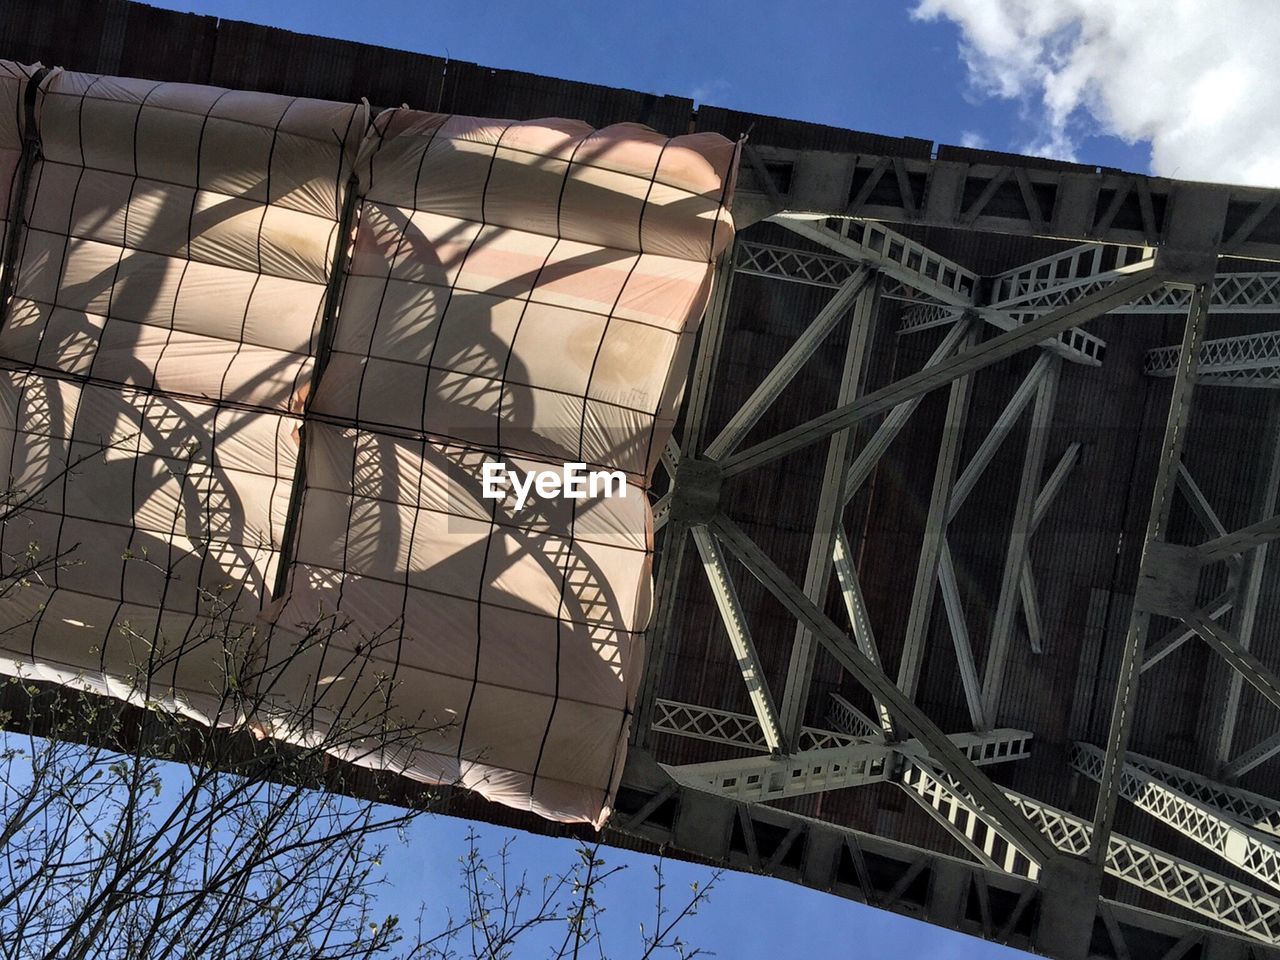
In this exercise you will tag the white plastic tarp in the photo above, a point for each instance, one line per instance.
(524, 293)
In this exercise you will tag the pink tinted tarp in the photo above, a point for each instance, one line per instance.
(164, 316)
(525, 292)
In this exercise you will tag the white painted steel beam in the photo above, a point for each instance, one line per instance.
(966, 666)
(1203, 892)
(970, 826)
(1171, 641)
(1004, 423)
(1254, 535)
(899, 257)
(856, 607)
(1257, 674)
(735, 729)
(1247, 361)
(744, 648)
(892, 424)
(1201, 822)
(758, 779)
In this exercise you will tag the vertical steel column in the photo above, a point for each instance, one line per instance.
(1251, 586)
(1140, 620)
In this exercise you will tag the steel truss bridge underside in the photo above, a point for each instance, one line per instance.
(1018, 870)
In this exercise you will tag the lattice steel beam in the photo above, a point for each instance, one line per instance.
(1083, 262)
(896, 256)
(956, 193)
(833, 858)
(1200, 822)
(1247, 361)
(1194, 888)
(736, 729)
(799, 266)
(847, 718)
(1250, 809)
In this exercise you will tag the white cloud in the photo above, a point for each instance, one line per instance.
(1197, 80)
(712, 88)
(973, 140)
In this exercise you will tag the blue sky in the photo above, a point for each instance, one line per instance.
(863, 65)
(850, 63)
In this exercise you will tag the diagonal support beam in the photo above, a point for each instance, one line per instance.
(817, 577)
(966, 822)
(1250, 592)
(1200, 506)
(785, 370)
(1258, 754)
(966, 664)
(908, 715)
(981, 459)
(856, 607)
(1257, 674)
(1179, 635)
(744, 649)
(1135, 641)
(1254, 535)
(892, 425)
(1019, 541)
(920, 618)
(992, 351)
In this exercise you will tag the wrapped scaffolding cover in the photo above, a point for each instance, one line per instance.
(188, 378)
